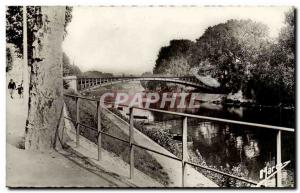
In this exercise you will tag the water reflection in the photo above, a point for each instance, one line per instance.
(244, 150)
(220, 146)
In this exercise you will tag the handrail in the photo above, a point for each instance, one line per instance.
(166, 155)
(184, 138)
(146, 148)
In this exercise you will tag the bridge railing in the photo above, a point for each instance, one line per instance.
(184, 159)
(85, 83)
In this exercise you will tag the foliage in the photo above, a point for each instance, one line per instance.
(68, 18)
(174, 59)
(73, 70)
(150, 85)
(274, 81)
(158, 135)
(96, 74)
(14, 27)
(68, 68)
(232, 47)
(287, 38)
(242, 56)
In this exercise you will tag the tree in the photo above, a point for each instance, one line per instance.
(174, 59)
(68, 68)
(232, 47)
(287, 37)
(150, 85)
(46, 89)
(274, 82)
(14, 24)
(68, 18)
(14, 27)
(96, 74)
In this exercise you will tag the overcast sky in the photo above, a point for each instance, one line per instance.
(128, 39)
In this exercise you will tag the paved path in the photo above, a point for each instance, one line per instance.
(110, 162)
(49, 169)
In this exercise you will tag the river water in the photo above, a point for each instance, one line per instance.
(230, 147)
(236, 147)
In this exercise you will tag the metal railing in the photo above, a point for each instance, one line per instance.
(184, 158)
(86, 83)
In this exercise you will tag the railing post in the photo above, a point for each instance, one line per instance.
(77, 84)
(99, 129)
(131, 143)
(77, 122)
(184, 151)
(278, 159)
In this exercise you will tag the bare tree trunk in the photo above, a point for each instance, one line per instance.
(46, 88)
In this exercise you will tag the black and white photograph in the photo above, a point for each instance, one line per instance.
(200, 97)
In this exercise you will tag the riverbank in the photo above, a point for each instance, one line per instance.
(227, 147)
(194, 178)
(236, 101)
(88, 116)
(164, 164)
(161, 133)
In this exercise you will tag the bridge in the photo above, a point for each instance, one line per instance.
(85, 84)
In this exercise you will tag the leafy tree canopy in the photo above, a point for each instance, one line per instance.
(68, 68)
(174, 59)
(14, 25)
(232, 47)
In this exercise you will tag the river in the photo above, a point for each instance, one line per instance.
(236, 147)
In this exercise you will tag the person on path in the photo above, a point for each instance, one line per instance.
(20, 90)
(11, 88)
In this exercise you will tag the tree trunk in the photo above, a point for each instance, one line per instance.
(45, 88)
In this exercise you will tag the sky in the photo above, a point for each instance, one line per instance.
(127, 39)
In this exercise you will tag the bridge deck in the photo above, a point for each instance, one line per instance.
(83, 83)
